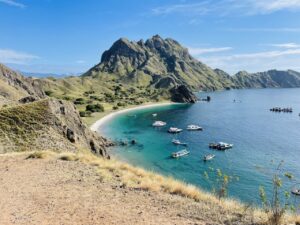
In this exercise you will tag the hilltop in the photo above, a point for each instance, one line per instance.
(14, 86)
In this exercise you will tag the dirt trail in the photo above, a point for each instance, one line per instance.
(51, 191)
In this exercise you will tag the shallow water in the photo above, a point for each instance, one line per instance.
(259, 137)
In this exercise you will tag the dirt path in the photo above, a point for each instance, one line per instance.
(50, 191)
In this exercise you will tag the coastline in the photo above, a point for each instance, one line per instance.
(100, 122)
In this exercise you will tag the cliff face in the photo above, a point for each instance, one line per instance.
(13, 86)
(47, 124)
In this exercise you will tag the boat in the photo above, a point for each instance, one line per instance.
(154, 114)
(177, 142)
(159, 124)
(174, 130)
(296, 191)
(220, 146)
(194, 127)
(180, 153)
(208, 157)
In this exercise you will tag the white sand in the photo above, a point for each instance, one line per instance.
(105, 119)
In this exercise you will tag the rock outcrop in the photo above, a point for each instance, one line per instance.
(47, 124)
(182, 94)
(14, 86)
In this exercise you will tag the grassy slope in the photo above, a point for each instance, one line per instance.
(224, 211)
(102, 90)
(19, 128)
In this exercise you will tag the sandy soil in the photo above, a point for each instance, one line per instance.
(110, 116)
(51, 191)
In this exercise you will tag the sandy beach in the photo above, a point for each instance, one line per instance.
(110, 116)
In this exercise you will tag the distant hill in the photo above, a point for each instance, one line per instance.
(45, 75)
(268, 79)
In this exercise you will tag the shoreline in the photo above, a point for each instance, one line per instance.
(95, 126)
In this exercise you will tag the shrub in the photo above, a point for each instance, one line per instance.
(95, 108)
(67, 98)
(85, 113)
(79, 101)
(115, 107)
(48, 93)
(121, 104)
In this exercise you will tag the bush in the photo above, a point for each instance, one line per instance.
(95, 108)
(79, 101)
(48, 93)
(121, 104)
(85, 113)
(67, 98)
(115, 107)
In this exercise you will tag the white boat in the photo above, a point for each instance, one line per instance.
(177, 142)
(194, 127)
(296, 191)
(159, 124)
(208, 157)
(220, 145)
(174, 130)
(180, 153)
(154, 114)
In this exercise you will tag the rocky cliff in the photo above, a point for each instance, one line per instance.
(13, 86)
(47, 124)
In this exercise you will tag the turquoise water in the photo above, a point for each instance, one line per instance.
(259, 137)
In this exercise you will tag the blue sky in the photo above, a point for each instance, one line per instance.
(69, 36)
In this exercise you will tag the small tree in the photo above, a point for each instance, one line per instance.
(220, 182)
(279, 202)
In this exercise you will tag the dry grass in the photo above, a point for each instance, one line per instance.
(40, 155)
(137, 178)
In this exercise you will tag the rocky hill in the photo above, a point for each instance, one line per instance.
(14, 86)
(31, 121)
(268, 79)
(47, 124)
(158, 63)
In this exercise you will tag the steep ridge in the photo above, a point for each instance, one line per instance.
(13, 86)
(268, 79)
(158, 63)
(47, 124)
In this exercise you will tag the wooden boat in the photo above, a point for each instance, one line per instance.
(180, 153)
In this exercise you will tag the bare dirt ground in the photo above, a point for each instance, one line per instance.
(51, 191)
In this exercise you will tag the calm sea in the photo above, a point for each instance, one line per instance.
(261, 139)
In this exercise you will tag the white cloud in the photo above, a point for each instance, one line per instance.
(286, 45)
(200, 51)
(265, 29)
(256, 61)
(276, 5)
(13, 3)
(11, 56)
(228, 7)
